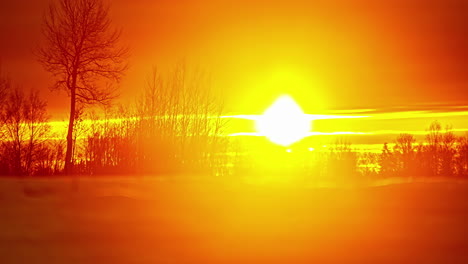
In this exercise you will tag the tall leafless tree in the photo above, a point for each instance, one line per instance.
(82, 52)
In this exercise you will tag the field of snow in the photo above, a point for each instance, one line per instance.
(149, 220)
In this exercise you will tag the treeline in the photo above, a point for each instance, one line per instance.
(26, 146)
(442, 154)
(173, 128)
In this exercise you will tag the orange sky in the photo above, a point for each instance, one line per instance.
(326, 54)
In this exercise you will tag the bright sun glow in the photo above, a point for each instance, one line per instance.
(284, 122)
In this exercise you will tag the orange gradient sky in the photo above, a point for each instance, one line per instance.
(328, 55)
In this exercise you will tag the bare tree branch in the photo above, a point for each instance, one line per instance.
(81, 48)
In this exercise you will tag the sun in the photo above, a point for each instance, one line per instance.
(284, 122)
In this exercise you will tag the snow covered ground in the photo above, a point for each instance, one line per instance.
(149, 220)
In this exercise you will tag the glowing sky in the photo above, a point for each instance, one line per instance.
(326, 54)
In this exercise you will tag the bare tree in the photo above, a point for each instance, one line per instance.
(434, 137)
(14, 129)
(387, 161)
(179, 124)
(462, 158)
(25, 129)
(448, 151)
(81, 50)
(35, 118)
(405, 150)
(434, 141)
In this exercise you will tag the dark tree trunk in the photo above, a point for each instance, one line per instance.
(71, 123)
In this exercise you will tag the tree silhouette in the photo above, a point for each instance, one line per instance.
(179, 122)
(81, 50)
(405, 149)
(461, 161)
(447, 152)
(434, 139)
(25, 127)
(387, 161)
